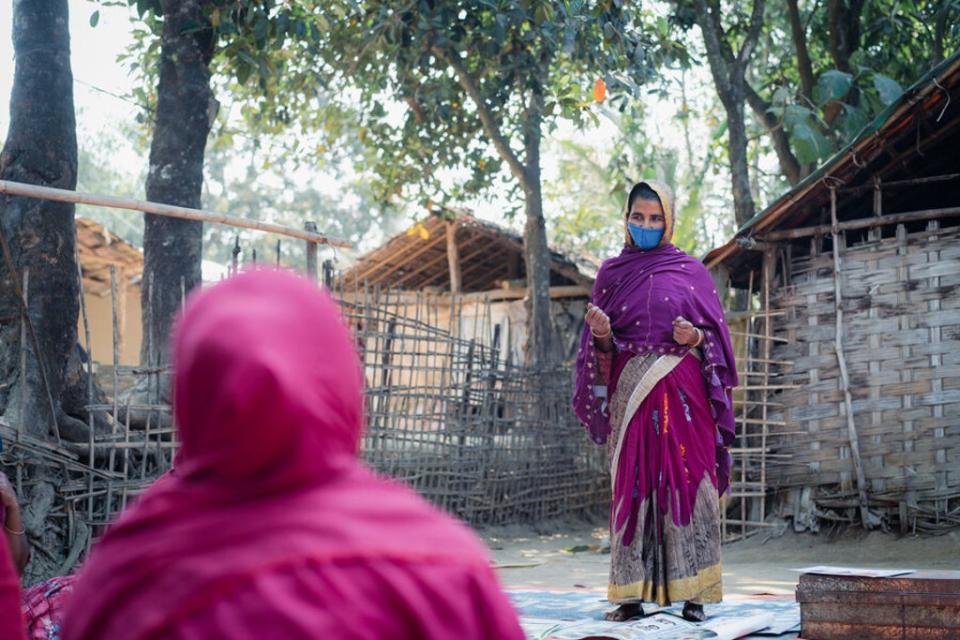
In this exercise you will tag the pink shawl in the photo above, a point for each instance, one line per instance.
(11, 618)
(270, 526)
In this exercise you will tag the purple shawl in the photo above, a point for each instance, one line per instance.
(643, 292)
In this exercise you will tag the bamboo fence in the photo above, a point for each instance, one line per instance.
(448, 411)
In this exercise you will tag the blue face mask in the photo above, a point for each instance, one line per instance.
(645, 239)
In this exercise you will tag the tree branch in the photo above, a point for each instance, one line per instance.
(531, 134)
(844, 25)
(753, 34)
(708, 17)
(789, 165)
(490, 126)
(804, 65)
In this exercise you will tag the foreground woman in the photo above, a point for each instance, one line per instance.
(11, 621)
(654, 380)
(271, 527)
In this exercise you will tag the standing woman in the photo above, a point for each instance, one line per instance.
(655, 376)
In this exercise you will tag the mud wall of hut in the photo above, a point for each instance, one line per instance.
(901, 338)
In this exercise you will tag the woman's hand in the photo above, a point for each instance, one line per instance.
(13, 526)
(685, 333)
(599, 321)
(599, 324)
(7, 495)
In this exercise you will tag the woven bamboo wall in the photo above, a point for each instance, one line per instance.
(901, 337)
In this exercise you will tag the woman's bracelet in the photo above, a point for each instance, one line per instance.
(700, 338)
(14, 532)
(601, 337)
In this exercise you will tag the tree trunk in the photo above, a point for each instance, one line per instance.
(843, 17)
(38, 236)
(172, 248)
(804, 65)
(539, 348)
(540, 340)
(743, 204)
(843, 20)
(729, 76)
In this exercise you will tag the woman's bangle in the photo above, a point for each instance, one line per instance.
(16, 533)
(700, 338)
(605, 335)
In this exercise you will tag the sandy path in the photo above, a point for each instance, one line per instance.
(750, 567)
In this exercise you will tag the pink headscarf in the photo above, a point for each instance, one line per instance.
(270, 503)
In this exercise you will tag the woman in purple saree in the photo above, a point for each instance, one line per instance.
(655, 375)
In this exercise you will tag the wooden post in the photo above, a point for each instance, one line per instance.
(876, 234)
(328, 272)
(311, 252)
(24, 309)
(769, 269)
(90, 422)
(744, 434)
(842, 362)
(115, 321)
(235, 256)
(453, 257)
(514, 259)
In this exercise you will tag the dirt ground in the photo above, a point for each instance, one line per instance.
(759, 565)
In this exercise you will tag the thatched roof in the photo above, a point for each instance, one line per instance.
(490, 256)
(917, 136)
(99, 250)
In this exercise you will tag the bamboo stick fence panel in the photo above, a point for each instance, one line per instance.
(448, 411)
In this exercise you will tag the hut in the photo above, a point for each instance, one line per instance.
(452, 406)
(472, 274)
(101, 251)
(852, 409)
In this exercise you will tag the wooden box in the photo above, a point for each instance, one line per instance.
(917, 606)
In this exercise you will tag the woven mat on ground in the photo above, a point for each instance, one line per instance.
(579, 614)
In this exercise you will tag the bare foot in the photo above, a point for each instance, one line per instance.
(694, 612)
(625, 612)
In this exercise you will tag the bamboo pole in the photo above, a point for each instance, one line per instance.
(769, 264)
(311, 227)
(901, 183)
(453, 257)
(746, 404)
(160, 209)
(86, 337)
(862, 223)
(115, 319)
(23, 358)
(757, 335)
(842, 362)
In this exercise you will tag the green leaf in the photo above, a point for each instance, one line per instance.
(795, 115)
(809, 143)
(887, 88)
(832, 85)
(95, 18)
(853, 121)
(243, 72)
(781, 96)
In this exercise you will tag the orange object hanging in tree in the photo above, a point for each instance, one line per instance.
(599, 90)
